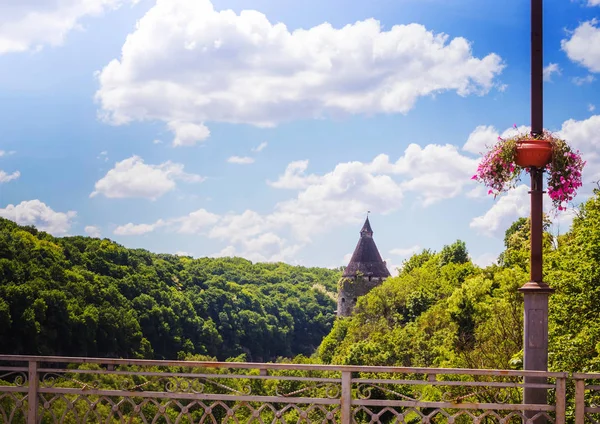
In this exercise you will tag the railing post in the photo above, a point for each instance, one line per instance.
(561, 400)
(579, 401)
(32, 394)
(346, 400)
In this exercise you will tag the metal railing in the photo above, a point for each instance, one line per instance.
(587, 398)
(36, 389)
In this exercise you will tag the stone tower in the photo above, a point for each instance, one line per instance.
(365, 271)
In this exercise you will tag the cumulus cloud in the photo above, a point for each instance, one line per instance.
(131, 229)
(30, 25)
(480, 139)
(551, 69)
(584, 45)
(92, 231)
(188, 134)
(133, 178)
(505, 210)
(189, 63)
(294, 177)
(485, 136)
(5, 177)
(585, 136)
(325, 201)
(37, 213)
(195, 221)
(240, 160)
(407, 251)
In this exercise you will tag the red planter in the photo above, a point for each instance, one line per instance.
(536, 153)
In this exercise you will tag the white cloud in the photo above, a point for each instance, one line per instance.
(485, 136)
(195, 221)
(294, 177)
(583, 80)
(585, 136)
(157, 141)
(479, 192)
(5, 177)
(239, 227)
(339, 197)
(228, 251)
(392, 267)
(188, 134)
(584, 45)
(505, 210)
(133, 178)
(30, 25)
(260, 147)
(593, 2)
(591, 107)
(552, 68)
(435, 172)
(180, 253)
(131, 229)
(485, 259)
(481, 139)
(240, 160)
(403, 252)
(5, 153)
(92, 231)
(35, 212)
(186, 62)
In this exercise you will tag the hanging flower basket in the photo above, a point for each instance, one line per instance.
(500, 168)
(533, 152)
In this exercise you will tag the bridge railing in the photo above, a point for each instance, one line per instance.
(37, 389)
(587, 398)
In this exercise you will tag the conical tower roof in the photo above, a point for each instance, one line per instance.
(366, 258)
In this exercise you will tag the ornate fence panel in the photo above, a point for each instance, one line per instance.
(587, 398)
(90, 390)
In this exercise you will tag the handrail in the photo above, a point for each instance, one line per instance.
(282, 366)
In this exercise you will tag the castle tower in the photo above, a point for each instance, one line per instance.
(365, 271)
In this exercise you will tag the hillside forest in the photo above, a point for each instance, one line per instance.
(89, 297)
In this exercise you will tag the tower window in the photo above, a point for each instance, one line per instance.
(354, 300)
(343, 300)
(369, 278)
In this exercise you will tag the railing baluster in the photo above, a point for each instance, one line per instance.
(579, 401)
(561, 400)
(32, 394)
(346, 399)
(307, 393)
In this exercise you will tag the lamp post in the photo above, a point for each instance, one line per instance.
(536, 292)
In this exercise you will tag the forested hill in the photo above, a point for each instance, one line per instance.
(442, 311)
(89, 297)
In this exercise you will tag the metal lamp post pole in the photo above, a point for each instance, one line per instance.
(536, 292)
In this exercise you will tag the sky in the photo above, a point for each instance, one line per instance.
(267, 129)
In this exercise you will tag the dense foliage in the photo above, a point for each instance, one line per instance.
(80, 296)
(443, 311)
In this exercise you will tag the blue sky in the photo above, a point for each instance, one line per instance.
(253, 128)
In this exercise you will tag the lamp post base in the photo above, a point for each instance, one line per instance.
(535, 341)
